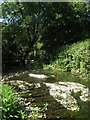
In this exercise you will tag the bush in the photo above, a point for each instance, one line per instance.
(74, 58)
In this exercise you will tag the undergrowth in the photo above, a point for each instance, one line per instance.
(74, 58)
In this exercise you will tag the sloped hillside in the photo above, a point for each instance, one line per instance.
(74, 58)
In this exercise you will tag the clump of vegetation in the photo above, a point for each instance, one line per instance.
(9, 102)
(11, 109)
(34, 114)
(75, 59)
(38, 112)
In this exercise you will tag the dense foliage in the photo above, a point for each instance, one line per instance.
(35, 31)
(75, 59)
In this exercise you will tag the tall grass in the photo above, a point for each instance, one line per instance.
(74, 58)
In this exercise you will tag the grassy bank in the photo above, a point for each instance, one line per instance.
(74, 58)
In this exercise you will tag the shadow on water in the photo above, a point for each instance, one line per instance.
(36, 91)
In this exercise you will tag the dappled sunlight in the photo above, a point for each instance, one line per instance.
(38, 88)
(37, 85)
(21, 84)
(62, 91)
(15, 74)
(40, 76)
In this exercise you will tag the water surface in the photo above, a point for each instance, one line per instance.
(67, 96)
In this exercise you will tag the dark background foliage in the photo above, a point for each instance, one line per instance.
(36, 31)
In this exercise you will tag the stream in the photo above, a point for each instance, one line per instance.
(67, 95)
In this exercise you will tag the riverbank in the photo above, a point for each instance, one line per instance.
(74, 58)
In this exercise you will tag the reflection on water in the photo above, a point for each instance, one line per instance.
(60, 95)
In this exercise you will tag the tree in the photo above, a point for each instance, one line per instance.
(49, 25)
(68, 26)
